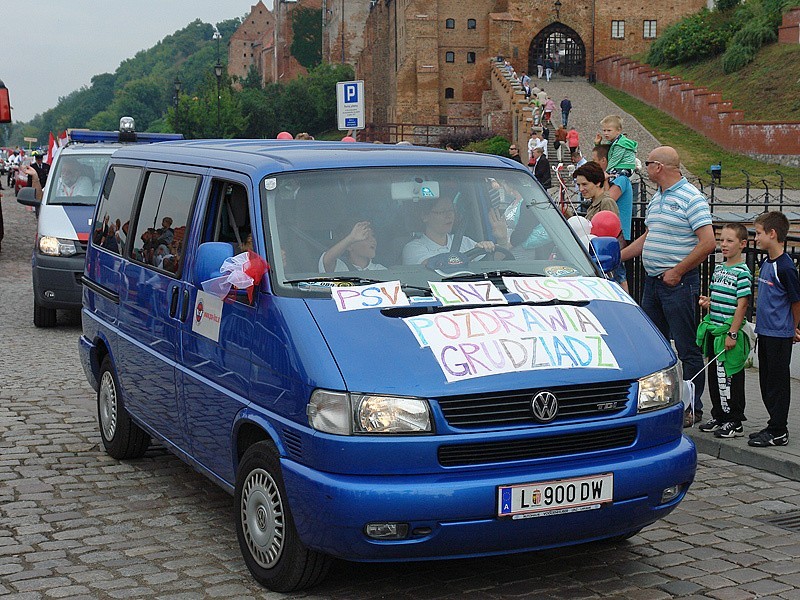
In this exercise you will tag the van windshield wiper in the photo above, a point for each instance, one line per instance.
(352, 279)
(489, 275)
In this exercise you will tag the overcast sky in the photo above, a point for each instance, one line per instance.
(53, 47)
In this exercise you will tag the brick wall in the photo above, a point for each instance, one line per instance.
(344, 34)
(412, 39)
(505, 110)
(701, 109)
(789, 31)
(247, 44)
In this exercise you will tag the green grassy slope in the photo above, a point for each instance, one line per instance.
(698, 152)
(768, 89)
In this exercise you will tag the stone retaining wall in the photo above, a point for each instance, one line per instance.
(701, 109)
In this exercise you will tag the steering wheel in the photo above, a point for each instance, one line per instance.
(477, 251)
(454, 261)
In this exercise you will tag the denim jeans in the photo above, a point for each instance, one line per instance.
(674, 310)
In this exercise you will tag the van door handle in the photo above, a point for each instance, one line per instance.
(173, 303)
(185, 307)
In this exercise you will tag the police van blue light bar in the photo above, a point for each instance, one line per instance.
(92, 137)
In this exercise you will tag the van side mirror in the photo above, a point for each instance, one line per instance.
(606, 253)
(209, 259)
(27, 196)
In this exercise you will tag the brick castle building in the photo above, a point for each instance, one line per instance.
(427, 61)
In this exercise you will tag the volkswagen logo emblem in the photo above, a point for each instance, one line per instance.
(544, 406)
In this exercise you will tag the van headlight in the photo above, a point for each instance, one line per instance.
(661, 389)
(52, 246)
(346, 414)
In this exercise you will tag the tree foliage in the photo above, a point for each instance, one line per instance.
(307, 36)
(144, 87)
(256, 112)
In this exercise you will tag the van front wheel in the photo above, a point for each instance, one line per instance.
(269, 542)
(122, 438)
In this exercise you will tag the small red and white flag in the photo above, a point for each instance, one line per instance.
(56, 144)
(51, 146)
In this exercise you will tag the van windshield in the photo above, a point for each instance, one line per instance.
(77, 178)
(412, 224)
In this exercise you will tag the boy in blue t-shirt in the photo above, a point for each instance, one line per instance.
(721, 332)
(777, 318)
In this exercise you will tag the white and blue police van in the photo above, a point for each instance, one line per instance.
(65, 206)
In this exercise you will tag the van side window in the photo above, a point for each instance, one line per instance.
(229, 212)
(114, 209)
(161, 225)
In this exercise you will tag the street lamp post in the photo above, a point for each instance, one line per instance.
(218, 73)
(342, 31)
(557, 6)
(177, 84)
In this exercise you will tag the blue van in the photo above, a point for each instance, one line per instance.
(384, 353)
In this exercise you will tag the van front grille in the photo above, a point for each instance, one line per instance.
(460, 455)
(587, 400)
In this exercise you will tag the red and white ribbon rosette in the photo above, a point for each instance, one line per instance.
(242, 272)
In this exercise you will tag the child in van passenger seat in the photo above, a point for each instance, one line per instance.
(354, 252)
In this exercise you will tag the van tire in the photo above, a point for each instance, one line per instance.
(621, 538)
(122, 438)
(268, 539)
(43, 317)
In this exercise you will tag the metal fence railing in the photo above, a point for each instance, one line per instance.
(753, 257)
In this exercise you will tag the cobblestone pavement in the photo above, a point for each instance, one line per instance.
(75, 523)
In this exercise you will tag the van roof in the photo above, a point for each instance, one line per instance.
(260, 157)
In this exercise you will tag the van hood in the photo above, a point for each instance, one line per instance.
(378, 351)
(66, 222)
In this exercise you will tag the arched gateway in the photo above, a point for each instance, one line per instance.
(559, 40)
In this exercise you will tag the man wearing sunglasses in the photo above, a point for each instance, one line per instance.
(678, 237)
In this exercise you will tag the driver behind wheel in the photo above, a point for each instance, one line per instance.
(438, 218)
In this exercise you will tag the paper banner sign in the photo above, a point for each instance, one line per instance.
(376, 295)
(466, 292)
(487, 341)
(569, 289)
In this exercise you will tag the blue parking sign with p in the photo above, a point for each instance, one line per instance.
(350, 92)
(350, 105)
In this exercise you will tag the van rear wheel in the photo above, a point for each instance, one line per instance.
(269, 542)
(122, 438)
(43, 317)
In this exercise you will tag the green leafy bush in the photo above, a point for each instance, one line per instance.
(736, 57)
(460, 139)
(695, 37)
(494, 145)
(754, 36)
(727, 4)
(741, 26)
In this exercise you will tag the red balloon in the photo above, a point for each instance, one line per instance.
(348, 138)
(606, 224)
(284, 135)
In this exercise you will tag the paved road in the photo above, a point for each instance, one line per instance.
(75, 523)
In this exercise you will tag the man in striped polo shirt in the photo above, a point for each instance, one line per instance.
(678, 237)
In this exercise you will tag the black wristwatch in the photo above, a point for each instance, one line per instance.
(733, 334)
